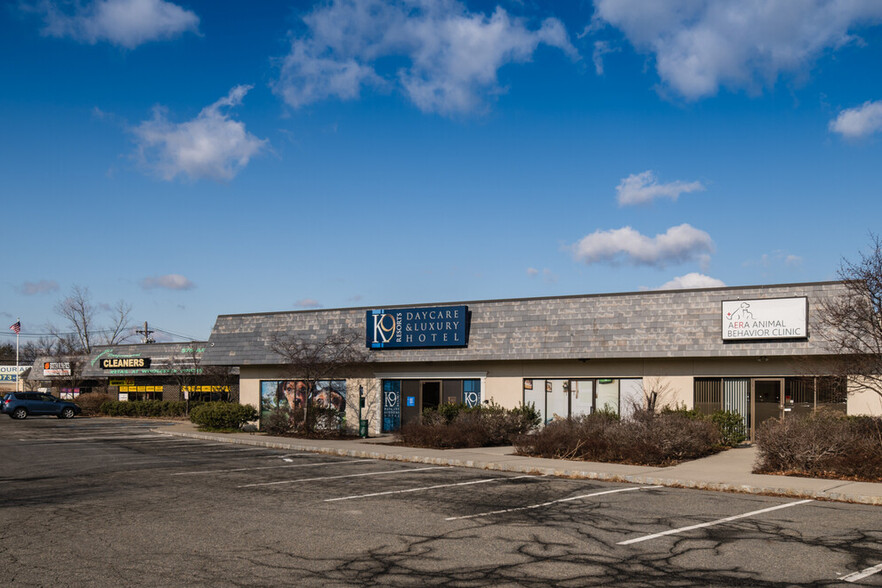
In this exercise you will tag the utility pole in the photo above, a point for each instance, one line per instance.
(146, 332)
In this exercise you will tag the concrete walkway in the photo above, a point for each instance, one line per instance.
(727, 471)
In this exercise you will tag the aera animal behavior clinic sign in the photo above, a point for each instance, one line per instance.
(440, 326)
(772, 318)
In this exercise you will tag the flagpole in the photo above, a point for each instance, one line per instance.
(17, 372)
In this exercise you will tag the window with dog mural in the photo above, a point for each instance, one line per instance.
(293, 395)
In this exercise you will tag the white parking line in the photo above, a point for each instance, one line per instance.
(76, 439)
(484, 481)
(389, 472)
(299, 465)
(549, 503)
(862, 574)
(235, 450)
(712, 523)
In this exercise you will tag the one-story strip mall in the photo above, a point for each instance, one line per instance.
(755, 350)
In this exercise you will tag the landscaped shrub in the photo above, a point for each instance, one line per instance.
(222, 415)
(279, 422)
(646, 438)
(90, 402)
(825, 444)
(144, 408)
(457, 425)
(731, 427)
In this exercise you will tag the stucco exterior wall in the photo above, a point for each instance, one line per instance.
(863, 400)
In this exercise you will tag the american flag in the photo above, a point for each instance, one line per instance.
(16, 327)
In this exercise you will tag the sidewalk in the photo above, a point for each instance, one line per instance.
(727, 471)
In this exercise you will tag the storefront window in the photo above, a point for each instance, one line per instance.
(292, 395)
(708, 395)
(582, 397)
(391, 405)
(564, 398)
(608, 395)
(832, 393)
(471, 392)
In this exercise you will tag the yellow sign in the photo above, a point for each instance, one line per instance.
(205, 388)
(140, 388)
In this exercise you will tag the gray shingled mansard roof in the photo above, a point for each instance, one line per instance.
(651, 324)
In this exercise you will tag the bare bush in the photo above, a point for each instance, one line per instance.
(825, 445)
(646, 438)
(92, 401)
(458, 426)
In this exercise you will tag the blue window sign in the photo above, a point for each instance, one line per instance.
(415, 328)
(411, 400)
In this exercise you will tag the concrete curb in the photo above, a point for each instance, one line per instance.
(574, 473)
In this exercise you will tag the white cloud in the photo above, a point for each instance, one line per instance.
(127, 23)
(548, 276)
(676, 245)
(776, 258)
(168, 281)
(308, 303)
(854, 123)
(41, 287)
(692, 280)
(601, 48)
(644, 187)
(212, 145)
(450, 56)
(700, 45)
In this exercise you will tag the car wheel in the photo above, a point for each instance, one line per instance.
(19, 413)
(67, 413)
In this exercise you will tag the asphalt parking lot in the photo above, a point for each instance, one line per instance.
(105, 502)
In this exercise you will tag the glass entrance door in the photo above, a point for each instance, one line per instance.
(431, 396)
(767, 400)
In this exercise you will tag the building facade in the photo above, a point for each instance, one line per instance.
(147, 371)
(754, 350)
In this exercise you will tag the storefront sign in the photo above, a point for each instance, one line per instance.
(440, 326)
(56, 368)
(772, 318)
(116, 363)
(10, 373)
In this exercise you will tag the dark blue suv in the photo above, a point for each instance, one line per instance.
(18, 405)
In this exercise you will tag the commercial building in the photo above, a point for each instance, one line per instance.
(755, 350)
(147, 371)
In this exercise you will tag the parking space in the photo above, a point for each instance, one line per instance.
(162, 503)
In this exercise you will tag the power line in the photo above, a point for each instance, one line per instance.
(97, 331)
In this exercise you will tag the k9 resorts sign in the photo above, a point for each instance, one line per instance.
(440, 326)
(774, 318)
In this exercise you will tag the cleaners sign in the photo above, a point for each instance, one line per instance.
(773, 318)
(440, 326)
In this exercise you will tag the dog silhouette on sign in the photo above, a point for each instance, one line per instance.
(742, 313)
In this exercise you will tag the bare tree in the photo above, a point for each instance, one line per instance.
(852, 323)
(79, 315)
(335, 356)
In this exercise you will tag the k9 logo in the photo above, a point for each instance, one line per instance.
(384, 327)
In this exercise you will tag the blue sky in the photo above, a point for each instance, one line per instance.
(204, 158)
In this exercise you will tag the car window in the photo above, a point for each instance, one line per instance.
(48, 398)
